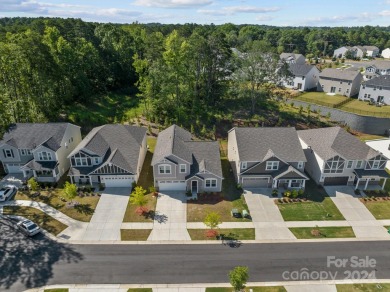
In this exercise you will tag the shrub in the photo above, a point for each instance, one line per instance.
(294, 194)
(275, 192)
(301, 192)
(287, 194)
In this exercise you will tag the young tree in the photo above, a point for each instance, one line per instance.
(138, 198)
(70, 190)
(238, 277)
(32, 184)
(212, 220)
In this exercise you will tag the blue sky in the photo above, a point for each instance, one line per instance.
(269, 12)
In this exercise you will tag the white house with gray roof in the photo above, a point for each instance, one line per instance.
(376, 89)
(112, 155)
(292, 58)
(181, 164)
(267, 157)
(38, 150)
(377, 68)
(304, 77)
(386, 53)
(335, 157)
(341, 82)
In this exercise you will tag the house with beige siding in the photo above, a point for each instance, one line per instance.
(341, 82)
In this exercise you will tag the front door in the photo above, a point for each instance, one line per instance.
(194, 186)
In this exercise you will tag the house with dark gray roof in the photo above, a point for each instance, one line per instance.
(335, 157)
(341, 82)
(377, 68)
(376, 89)
(182, 164)
(304, 77)
(267, 157)
(112, 155)
(38, 149)
(292, 58)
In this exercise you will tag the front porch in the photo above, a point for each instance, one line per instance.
(370, 177)
(43, 171)
(287, 184)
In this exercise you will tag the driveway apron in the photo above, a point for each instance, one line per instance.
(266, 217)
(170, 221)
(362, 221)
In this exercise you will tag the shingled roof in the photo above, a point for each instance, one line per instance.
(300, 69)
(201, 155)
(32, 135)
(333, 141)
(294, 56)
(258, 144)
(383, 81)
(118, 144)
(331, 73)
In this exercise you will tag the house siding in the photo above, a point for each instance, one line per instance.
(141, 158)
(314, 164)
(202, 183)
(175, 174)
(367, 92)
(343, 87)
(233, 155)
(74, 132)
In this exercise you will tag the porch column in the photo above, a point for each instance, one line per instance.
(275, 183)
(357, 184)
(384, 183)
(35, 173)
(303, 183)
(289, 183)
(71, 179)
(365, 187)
(90, 180)
(24, 173)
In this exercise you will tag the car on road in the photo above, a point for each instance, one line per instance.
(28, 227)
(7, 192)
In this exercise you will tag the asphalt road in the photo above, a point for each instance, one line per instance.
(27, 263)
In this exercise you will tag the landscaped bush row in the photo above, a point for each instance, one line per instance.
(377, 193)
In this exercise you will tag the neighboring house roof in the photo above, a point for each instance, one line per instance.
(333, 141)
(339, 74)
(259, 144)
(382, 80)
(118, 144)
(40, 165)
(293, 56)
(32, 135)
(202, 155)
(371, 48)
(300, 69)
(171, 141)
(380, 64)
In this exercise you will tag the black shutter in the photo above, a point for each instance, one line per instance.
(12, 153)
(4, 153)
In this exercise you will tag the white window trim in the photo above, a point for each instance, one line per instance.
(96, 160)
(271, 165)
(8, 153)
(348, 162)
(300, 164)
(79, 161)
(244, 165)
(185, 168)
(359, 164)
(48, 156)
(374, 162)
(166, 167)
(210, 181)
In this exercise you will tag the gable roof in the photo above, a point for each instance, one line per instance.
(300, 69)
(339, 74)
(259, 144)
(380, 64)
(31, 135)
(382, 80)
(171, 141)
(293, 56)
(206, 157)
(333, 141)
(371, 48)
(118, 144)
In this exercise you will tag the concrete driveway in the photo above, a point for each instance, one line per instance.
(266, 217)
(170, 221)
(362, 221)
(107, 220)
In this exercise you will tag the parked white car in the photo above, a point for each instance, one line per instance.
(7, 192)
(28, 227)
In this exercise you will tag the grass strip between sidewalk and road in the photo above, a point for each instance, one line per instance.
(379, 209)
(40, 218)
(247, 289)
(362, 287)
(228, 234)
(140, 290)
(57, 290)
(135, 234)
(324, 232)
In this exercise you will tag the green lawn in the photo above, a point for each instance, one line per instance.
(229, 234)
(104, 109)
(231, 198)
(82, 212)
(363, 108)
(325, 232)
(255, 289)
(380, 209)
(320, 207)
(135, 234)
(42, 219)
(56, 290)
(140, 290)
(321, 98)
(362, 287)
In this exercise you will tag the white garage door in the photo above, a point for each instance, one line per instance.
(14, 168)
(254, 182)
(117, 181)
(170, 185)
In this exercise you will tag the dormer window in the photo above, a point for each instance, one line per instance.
(81, 161)
(272, 165)
(44, 156)
(25, 152)
(375, 164)
(244, 165)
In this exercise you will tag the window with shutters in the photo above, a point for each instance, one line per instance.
(8, 153)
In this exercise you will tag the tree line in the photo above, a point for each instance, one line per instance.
(183, 73)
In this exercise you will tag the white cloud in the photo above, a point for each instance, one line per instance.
(173, 3)
(264, 18)
(232, 10)
(363, 17)
(385, 12)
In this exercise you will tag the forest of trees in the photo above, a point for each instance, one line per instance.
(181, 72)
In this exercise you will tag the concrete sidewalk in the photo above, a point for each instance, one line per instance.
(362, 221)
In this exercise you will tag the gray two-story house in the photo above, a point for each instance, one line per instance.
(38, 150)
(112, 155)
(341, 82)
(267, 158)
(335, 157)
(181, 164)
